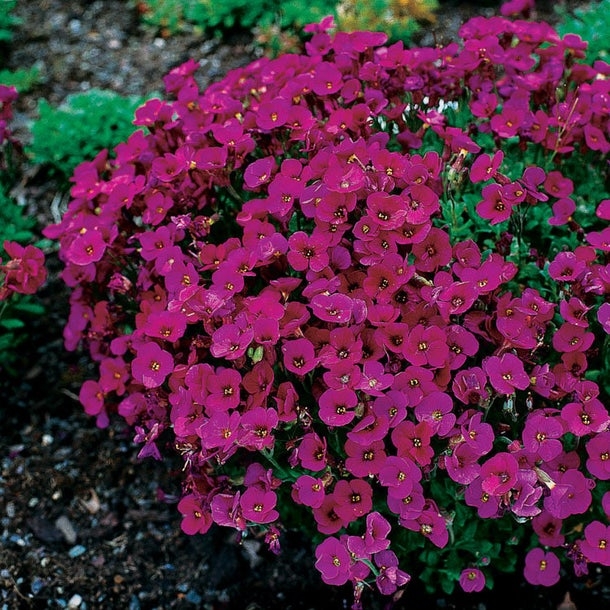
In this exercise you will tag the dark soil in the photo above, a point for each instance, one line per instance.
(85, 524)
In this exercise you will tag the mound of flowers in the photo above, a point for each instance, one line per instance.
(364, 291)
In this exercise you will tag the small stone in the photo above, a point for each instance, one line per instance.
(37, 586)
(64, 525)
(75, 26)
(10, 510)
(134, 603)
(47, 440)
(77, 551)
(75, 601)
(193, 597)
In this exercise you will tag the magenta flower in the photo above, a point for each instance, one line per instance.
(231, 341)
(92, 396)
(309, 491)
(548, 529)
(332, 308)
(165, 325)
(562, 212)
(494, 206)
(222, 430)
(469, 386)
(462, 465)
(353, 499)
(299, 356)
(571, 338)
(364, 460)
(258, 425)
(598, 449)
(308, 251)
(258, 506)
(430, 524)
(223, 390)
(88, 247)
(312, 452)
(499, 474)
(259, 172)
(541, 436)
(151, 365)
(484, 167)
(596, 545)
(585, 418)
(390, 577)
(541, 568)
(487, 505)
(566, 267)
(333, 561)
(195, 520)
(506, 373)
(426, 346)
(413, 441)
(570, 494)
(472, 579)
(477, 434)
(374, 539)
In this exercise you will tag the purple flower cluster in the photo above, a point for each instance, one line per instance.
(24, 272)
(270, 287)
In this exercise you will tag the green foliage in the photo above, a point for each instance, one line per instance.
(23, 79)
(275, 24)
(77, 130)
(592, 24)
(399, 19)
(7, 20)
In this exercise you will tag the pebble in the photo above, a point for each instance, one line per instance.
(64, 525)
(193, 597)
(18, 540)
(134, 603)
(75, 601)
(37, 586)
(47, 440)
(10, 510)
(77, 551)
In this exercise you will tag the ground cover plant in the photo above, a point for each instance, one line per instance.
(364, 290)
(76, 130)
(22, 262)
(278, 27)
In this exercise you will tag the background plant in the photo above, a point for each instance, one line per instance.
(592, 24)
(21, 272)
(277, 25)
(7, 20)
(364, 291)
(75, 131)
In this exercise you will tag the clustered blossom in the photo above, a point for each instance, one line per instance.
(270, 278)
(24, 271)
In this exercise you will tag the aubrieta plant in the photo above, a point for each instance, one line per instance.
(22, 264)
(363, 291)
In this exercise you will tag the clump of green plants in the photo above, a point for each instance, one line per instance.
(7, 20)
(65, 136)
(276, 25)
(592, 24)
(399, 19)
(22, 269)
(23, 79)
